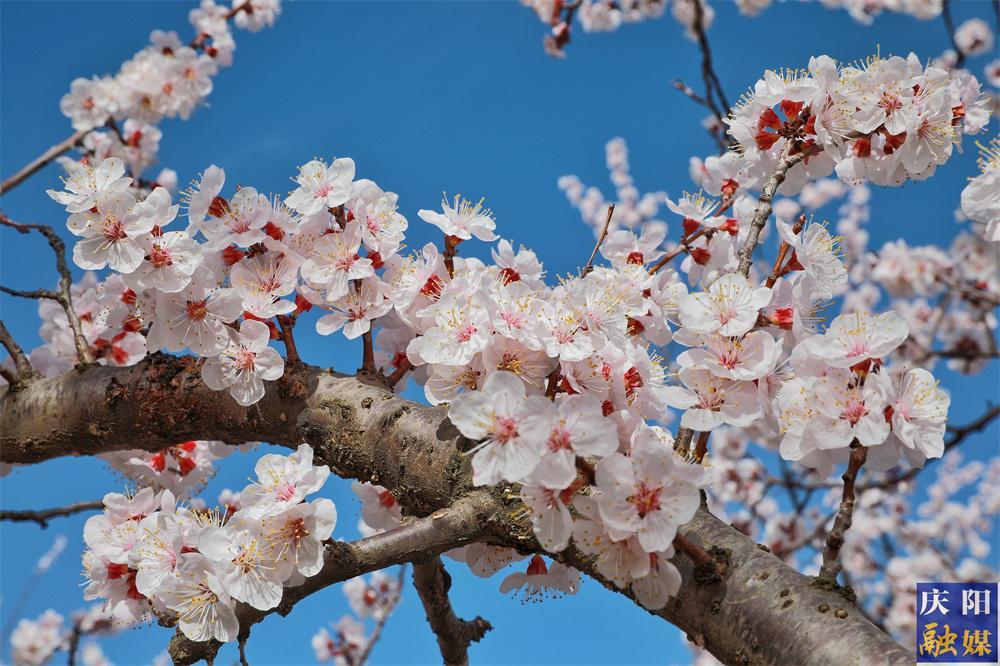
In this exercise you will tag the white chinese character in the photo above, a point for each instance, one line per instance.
(977, 601)
(934, 599)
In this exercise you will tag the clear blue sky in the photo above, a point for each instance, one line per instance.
(425, 96)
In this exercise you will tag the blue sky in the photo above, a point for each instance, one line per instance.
(426, 97)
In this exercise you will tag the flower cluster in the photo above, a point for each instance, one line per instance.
(885, 120)
(148, 554)
(556, 385)
(167, 78)
(33, 642)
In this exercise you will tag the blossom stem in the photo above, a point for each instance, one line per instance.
(450, 250)
(398, 373)
(776, 271)
(701, 447)
(681, 248)
(600, 239)
(695, 552)
(287, 325)
(845, 515)
(368, 354)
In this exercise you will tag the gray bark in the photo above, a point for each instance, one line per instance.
(759, 611)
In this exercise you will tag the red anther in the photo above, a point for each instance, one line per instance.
(862, 147)
(232, 255)
(218, 207)
(508, 275)
(274, 231)
(635, 327)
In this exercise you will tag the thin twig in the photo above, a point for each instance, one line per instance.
(42, 160)
(63, 296)
(702, 560)
(763, 212)
(845, 516)
(74, 644)
(380, 624)
(43, 516)
(713, 89)
(701, 447)
(600, 239)
(399, 372)
(450, 250)
(22, 365)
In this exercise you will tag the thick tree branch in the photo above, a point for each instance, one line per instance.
(365, 432)
(43, 516)
(454, 635)
(441, 531)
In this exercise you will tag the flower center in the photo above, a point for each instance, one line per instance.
(646, 498)
(197, 310)
(504, 429)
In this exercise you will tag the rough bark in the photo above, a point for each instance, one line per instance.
(454, 635)
(760, 611)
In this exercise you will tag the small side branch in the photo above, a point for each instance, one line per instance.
(443, 530)
(845, 516)
(287, 325)
(43, 516)
(763, 212)
(63, 296)
(600, 241)
(42, 160)
(22, 366)
(380, 625)
(454, 635)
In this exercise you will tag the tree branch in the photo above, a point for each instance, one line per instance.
(42, 160)
(763, 211)
(380, 624)
(446, 529)
(454, 635)
(363, 431)
(845, 516)
(43, 516)
(22, 365)
(63, 296)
